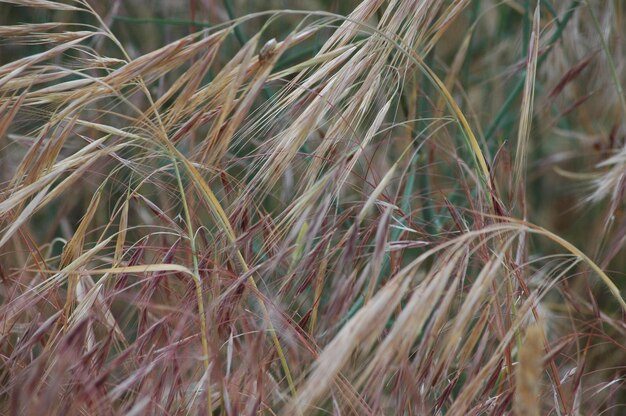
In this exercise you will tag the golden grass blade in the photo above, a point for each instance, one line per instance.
(148, 268)
(44, 4)
(17, 31)
(73, 249)
(24, 215)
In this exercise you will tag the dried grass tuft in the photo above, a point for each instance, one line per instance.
(528, 380)
(210, 207)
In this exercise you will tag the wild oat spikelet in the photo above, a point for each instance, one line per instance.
(528, 374)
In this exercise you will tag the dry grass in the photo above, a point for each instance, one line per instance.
(377, 207)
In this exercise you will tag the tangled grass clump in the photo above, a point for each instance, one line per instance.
(402, 207)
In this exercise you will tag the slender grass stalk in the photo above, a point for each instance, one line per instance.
(198, 284)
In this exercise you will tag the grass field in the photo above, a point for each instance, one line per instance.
(402, 207)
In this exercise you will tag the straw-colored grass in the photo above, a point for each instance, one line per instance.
(369, 207)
